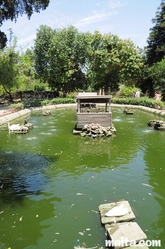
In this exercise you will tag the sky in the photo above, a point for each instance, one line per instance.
(128, 19)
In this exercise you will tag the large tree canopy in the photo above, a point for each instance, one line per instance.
(114, 61)
(157, 74)
(11, 9)
(41, 48)
(9, 69)
(60, 57)
(69, 60)
(156, 40)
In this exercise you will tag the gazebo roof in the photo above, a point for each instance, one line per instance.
(94, 99)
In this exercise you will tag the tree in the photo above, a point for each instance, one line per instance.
(10, 10)
(9, 59)
(60, 57)
(67, 56)
(113, 61)
(26, 78)
(69, 60)
(156, 41)
(41, 47)
(157, 74)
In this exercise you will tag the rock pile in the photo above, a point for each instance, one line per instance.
(95, 130)
(157, 124)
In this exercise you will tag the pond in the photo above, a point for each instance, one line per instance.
(52, 182)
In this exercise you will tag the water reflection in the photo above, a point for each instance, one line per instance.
(21, 173)
(154, 157)
(24, 211)
(93, 146)
(43, 172)
(23, 227)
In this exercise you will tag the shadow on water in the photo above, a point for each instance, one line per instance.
(20, 174)
(23, 175)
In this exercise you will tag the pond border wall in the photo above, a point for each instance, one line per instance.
(5, 119)
(144, 108)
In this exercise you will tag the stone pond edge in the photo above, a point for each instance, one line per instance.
(7, 118)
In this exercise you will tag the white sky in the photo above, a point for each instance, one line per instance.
(129, 19)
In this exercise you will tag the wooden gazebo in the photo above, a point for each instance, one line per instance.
(93, 108)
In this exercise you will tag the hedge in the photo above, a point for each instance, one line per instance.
(143, 101)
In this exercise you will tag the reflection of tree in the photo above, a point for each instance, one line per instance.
(114, 150)
(15, 172)
(154, 158)
(73, 151)
(22, 226)
(22, 199)
(93, 146)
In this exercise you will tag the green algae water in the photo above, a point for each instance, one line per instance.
(52, 182)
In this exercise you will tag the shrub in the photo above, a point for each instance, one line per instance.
(127, 91)
(62, 101)
(71, 96)
(32, 103)
(45, 102)
(17, 106)
(143, 101)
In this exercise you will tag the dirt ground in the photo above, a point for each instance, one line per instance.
(5, 110)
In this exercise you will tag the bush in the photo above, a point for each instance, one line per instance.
(71, 96)
(127, 91)
(45, 102)
(63, 101)
(17, 107)
(143, 101)
(32, 103)
(39, 103)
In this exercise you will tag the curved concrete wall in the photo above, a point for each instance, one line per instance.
(15, 115)
(144, 108)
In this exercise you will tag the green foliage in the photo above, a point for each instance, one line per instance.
(17, 70)
(63, 101)
(60, 94)
(60, 57)
(26, 79)
(71, 95)
(66, 60)
(10, 10)
(156, 44)
(70, 60)
(55, 101)
(45, 102)
(1, 90)
(31, 103)
(128, 91)
(157, 73)
(113, 61)
(9, 69)
(17, 106)
(41, 48)
(143, 101)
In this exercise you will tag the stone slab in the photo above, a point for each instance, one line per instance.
(124, 234)
(104, 208)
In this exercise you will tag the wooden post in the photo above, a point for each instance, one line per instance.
(78, 106)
